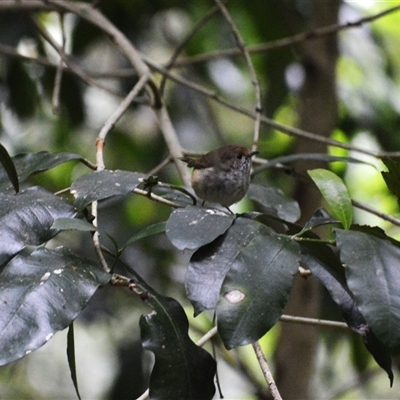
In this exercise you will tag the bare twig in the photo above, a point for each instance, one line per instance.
(123, 106)
(266, 371)
(314, 322)
(280, 43)
(59, 71)
(184, 42)
(386, 217)
(267, 121)
(250, 66)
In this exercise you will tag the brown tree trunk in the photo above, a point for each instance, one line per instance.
(295, 355)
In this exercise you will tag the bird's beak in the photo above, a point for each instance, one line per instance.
(252, 153)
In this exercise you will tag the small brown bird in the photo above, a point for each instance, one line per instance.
(223, 175)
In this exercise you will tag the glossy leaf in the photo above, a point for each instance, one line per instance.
(40, 294)
(192, 227)
(392, 177)
(209, 264)
(256, 289)
(71, 358)
(320, 217)
(335, 194)
(102, 185)
(275, 201)
(26, 219)
(182, 370)
(327, 269)
(9, 168)
(66, 224)
(31, 163)
(373, 275)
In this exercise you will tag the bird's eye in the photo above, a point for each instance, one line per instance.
(239, 156)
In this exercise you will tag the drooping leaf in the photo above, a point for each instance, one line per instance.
(71, 358)
(335, 194)
(40, 294)
(104, 184)
(320, 217)
(392, 177)
(275, 201)
(26, 219)
(9, 168)
(192, 227)
(327, 269)
(150, 230)
(31, 163)
(209, 264)
(182, 370)
(256, 289)
(373, 275)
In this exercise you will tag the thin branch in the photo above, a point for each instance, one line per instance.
(184, 42)
(123, 106)
(266, 371)
(207, 336)
(267, 121)
(136, 59)
(59, 71)
(314, 322)
(386, 217)
(285, 42)
(250, 66)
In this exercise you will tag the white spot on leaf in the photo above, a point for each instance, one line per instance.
(234, 296)
(58, 271)
(45, 276)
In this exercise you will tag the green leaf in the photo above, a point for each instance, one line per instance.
(335, 193)
(209, 264)
(41, 294)
(327, 269)
(256, 289)
(26, 219)
(275, 201)
(150, 230)
(182, 370)
(71, 358)
(31, 163)
(392, 177)
(104, 184)
(192, 227)
(9, 168)
(66, 224)
(373, 275)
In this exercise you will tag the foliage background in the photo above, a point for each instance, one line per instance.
(364, 113)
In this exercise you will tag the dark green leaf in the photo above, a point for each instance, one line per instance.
(31, 163)
(151, 230)
(275, 201)
(182, 370)
(256, 289)
(392, 177)
(335, 194)
(9, 168)
(71, 358)
(104, 184)
(26, 219)
(65, 224)
(320, 217)
(192, 227)
(327, 269)
(373, 276)
(41, 294)
(209, 265)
